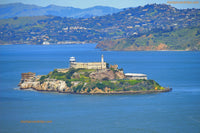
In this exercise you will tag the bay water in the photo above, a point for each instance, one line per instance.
(177, 111)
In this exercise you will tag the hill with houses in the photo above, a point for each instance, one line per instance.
(126, 24)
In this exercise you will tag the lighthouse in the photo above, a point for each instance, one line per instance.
(102, 62)
(72, 61)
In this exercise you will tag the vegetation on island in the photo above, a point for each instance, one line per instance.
(80, 81)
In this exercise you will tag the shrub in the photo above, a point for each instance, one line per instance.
(100, 86)
(121, 69)
(70, 73)
(109, 84)
(57, 75)
(107, 65)
(42, 79)
(78, 88)
(88, 90)
(86, 74)
(69, 84)
(105, 79)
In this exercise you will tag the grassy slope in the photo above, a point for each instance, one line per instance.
(181, 39)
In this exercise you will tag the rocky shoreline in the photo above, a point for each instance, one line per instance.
(107, 93)
(89, 82)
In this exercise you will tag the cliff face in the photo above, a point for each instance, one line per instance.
(57, 86)
(107, 75)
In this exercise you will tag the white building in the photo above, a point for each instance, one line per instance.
(87, 65)
(135, 76)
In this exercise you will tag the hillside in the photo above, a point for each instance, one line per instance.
(127, 23)
(24, 10)
(180, 39)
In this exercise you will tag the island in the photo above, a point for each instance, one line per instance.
(91, 78)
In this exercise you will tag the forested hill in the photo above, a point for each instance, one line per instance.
(124, 24)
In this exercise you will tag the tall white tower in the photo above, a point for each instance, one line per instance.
(102, 61)
(72, 60)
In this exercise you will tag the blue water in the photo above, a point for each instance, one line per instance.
(173, 112)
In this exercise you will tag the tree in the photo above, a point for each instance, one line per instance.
(42, 79)
(107, 65)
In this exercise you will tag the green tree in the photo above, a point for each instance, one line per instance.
(107, 65)
(42, 79)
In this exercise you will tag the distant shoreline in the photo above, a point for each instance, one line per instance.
(147, 50)
(103, 49)
(52, 44)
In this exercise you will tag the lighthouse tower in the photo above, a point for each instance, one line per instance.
(102, 62)
(72, 61)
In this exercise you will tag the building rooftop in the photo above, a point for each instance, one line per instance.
(72, 59)
(135, 74)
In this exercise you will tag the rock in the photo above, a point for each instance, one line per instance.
(84, 91)
(27, 85)
(161, 46)
(36, 85)
(107, 90)
(119, 75)
(75, 83)
(96, 90)
(107, 75)
(102, 75)
(76, 75)
(57, 85)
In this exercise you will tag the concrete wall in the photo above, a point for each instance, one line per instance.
(63, 70)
